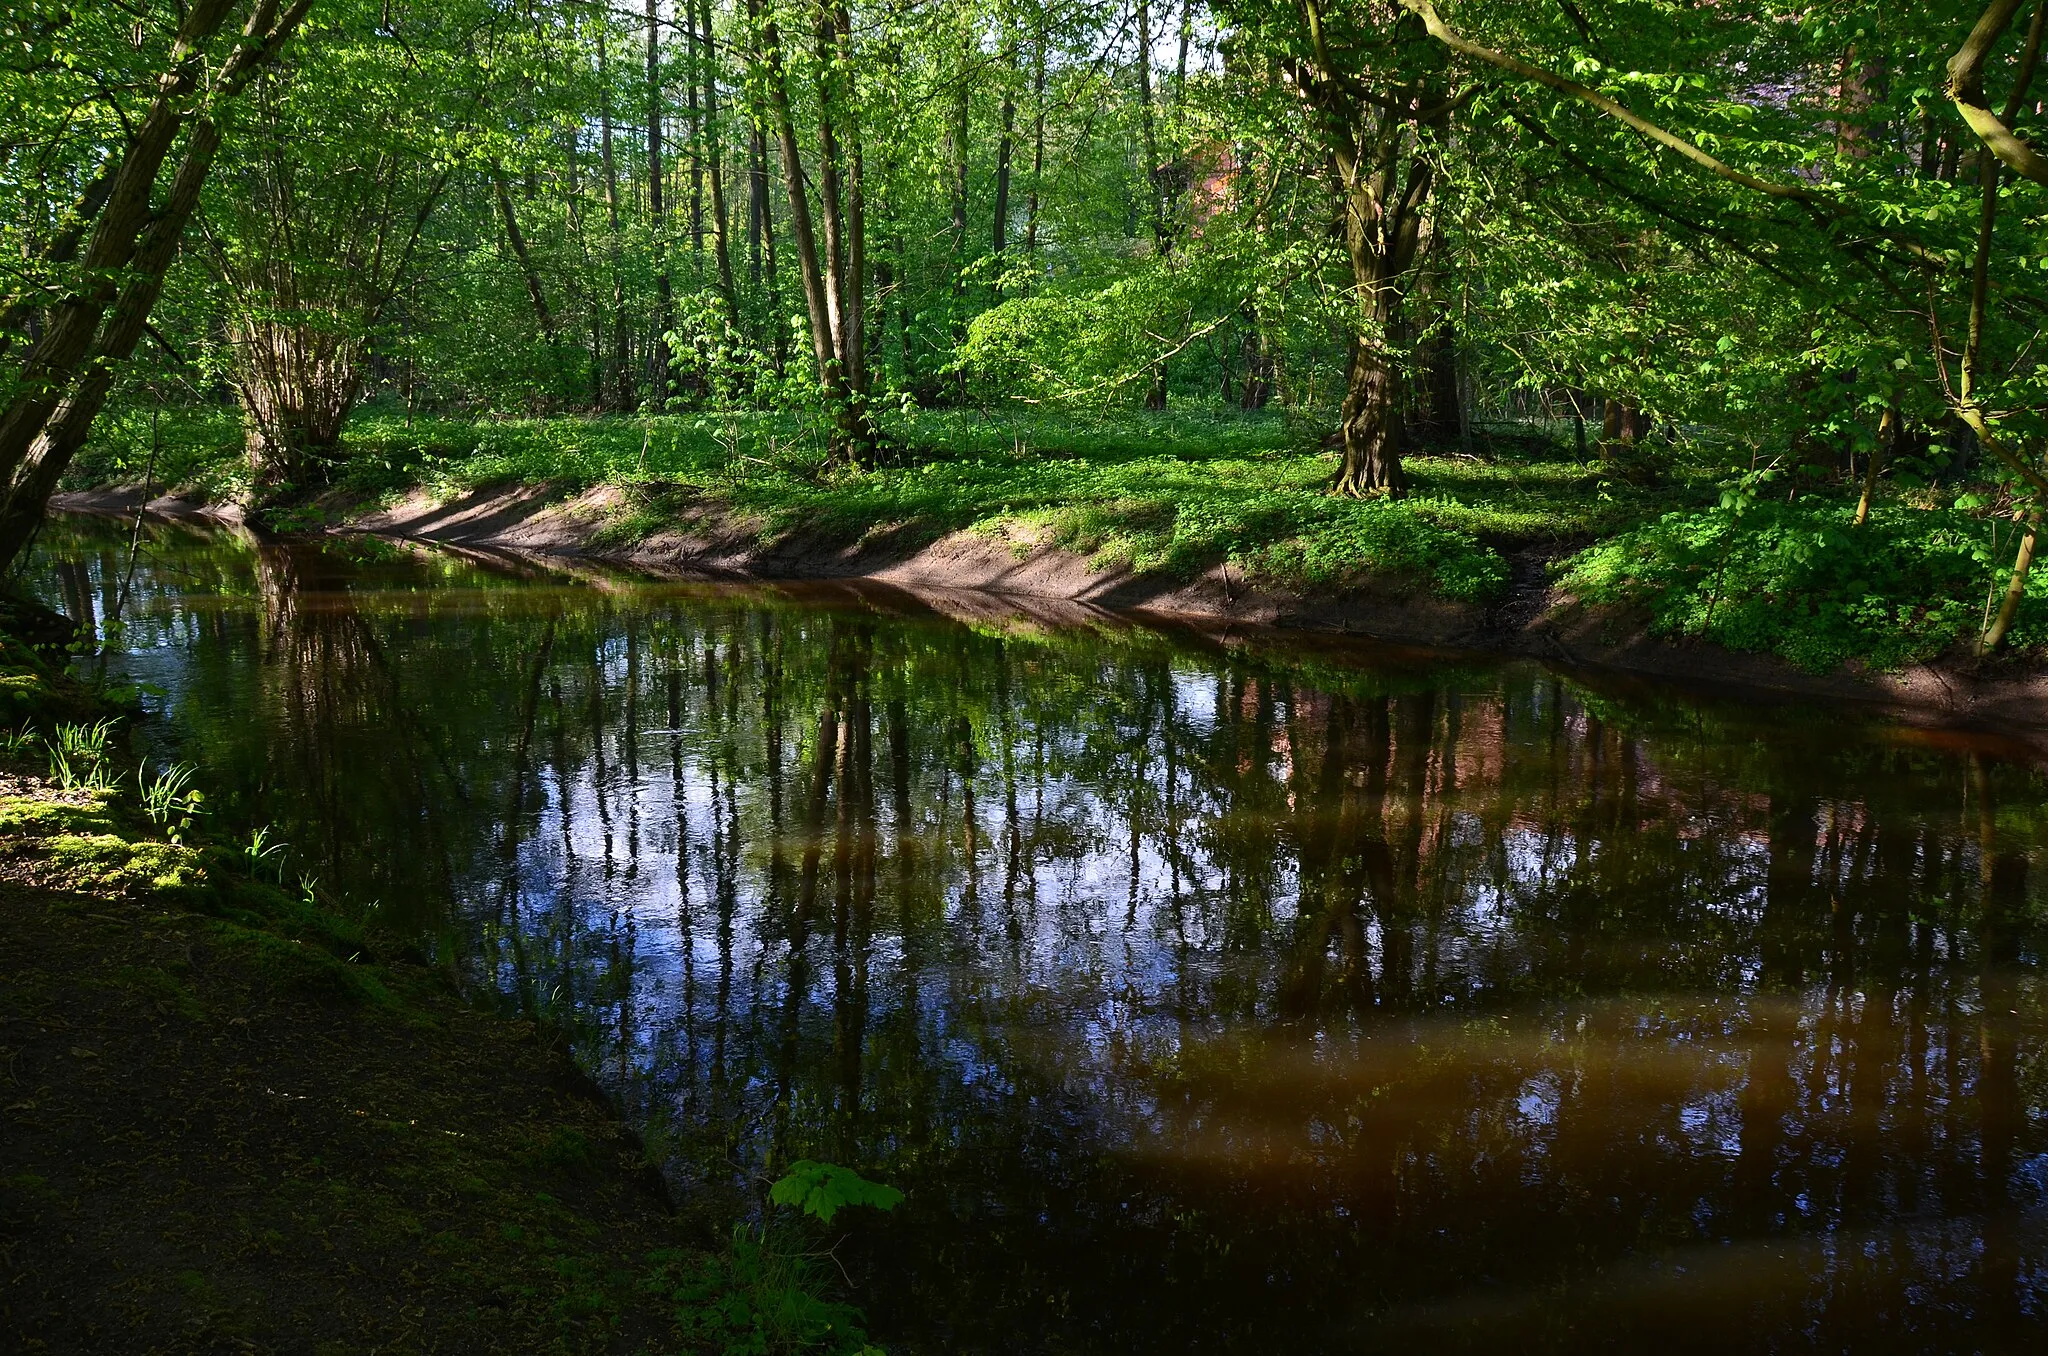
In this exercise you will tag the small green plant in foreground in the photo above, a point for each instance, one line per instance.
(822, 1190)
(260, 851)
(78, 756)
(762, 1295)
(169, 799)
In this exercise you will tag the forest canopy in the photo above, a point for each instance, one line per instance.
(1686, 282)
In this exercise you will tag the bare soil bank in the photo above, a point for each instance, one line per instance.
(975, 573)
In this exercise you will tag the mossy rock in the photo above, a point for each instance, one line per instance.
(106, 864)
(32, 817)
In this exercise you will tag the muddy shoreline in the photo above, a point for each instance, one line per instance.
(966, 573)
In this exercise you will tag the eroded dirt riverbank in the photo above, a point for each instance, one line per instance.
(995, 574)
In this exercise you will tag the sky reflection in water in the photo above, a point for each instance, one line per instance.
(1202, 997)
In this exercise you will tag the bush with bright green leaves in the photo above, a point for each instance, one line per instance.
(1802, 581)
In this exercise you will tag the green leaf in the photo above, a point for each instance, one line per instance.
(824, 1189)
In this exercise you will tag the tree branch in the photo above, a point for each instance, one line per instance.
(1966, 92)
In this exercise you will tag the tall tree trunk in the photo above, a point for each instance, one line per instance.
(831, 191)
(853, 434)
(854, 291)
(714, 137)
(1887, 435)
(664, 296)
(576, 225)
(956, 183)
(1180, 66)
(1037, 144)
(517, 240)
(2015, 589)
(622, 372)
(999, 232)
(1149, 130)
(1258, 361)
(696, 116)
(1155, 395)
(1381, 232)
(761, 241)
(757, 199)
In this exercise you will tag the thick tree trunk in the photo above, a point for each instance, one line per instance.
(1258, 363)
(1382, 167)
(1371, 427)
(1622, 427)
(1441, 404)
(1382, 260)
(297, 386)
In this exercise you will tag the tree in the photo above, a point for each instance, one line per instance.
(834, 277)
(1376, 105)
(87, 302)
(317, 224)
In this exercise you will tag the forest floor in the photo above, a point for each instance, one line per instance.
(226, 1126)
(1666, 561)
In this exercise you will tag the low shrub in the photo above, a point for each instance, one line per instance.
(1801, 581)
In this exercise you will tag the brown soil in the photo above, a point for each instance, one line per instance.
(199, 1154)
(1536, 619)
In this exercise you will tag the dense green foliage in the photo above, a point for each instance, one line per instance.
(1119, 279)
(1799, 580)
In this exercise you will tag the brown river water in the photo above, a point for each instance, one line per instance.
(1265, 996)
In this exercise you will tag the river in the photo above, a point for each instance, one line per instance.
(1204, 993)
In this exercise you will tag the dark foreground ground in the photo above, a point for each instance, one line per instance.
(202, 1152)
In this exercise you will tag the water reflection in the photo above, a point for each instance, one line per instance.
(1203, 998)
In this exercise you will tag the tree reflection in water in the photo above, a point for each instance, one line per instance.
(1203, 998)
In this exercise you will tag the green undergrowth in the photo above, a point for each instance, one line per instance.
(1801, 581)
(82, 825)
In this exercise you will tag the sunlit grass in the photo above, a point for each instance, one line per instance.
(1172, 493)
